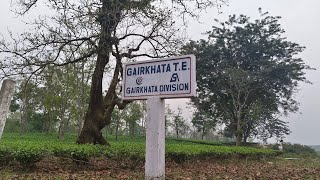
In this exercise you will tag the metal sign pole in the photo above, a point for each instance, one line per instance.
(155, 139)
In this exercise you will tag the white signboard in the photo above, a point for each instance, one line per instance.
(165, 78)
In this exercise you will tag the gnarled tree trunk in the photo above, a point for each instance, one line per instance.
(94, 119)
(99, 111)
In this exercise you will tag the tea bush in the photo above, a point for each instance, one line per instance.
(31, 148)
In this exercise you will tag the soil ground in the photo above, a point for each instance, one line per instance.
(101, 168)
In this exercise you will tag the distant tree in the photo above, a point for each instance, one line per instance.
(133, 114)
(144, 117)
(244, 64)
(14, 106)
(168, 117)
(178, 124)
(58, 96)
(117, 122)
(203, 123)
(13, 122)
(28, 94)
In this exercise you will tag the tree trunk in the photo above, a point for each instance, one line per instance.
(50, 126)
(246, 134)
(94, 119)
(238, 133)
(47, 123)
(177, 131)
(64, 124)
(238, 140)
(247, 130)
(24, 117)
(165, 125)
(203, 132)
(117, 128)
(99, 111)
(25, 113)
(194, 132)
(143, 126)
(131, 128)
(81, 100)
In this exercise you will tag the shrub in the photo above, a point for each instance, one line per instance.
(29, 149)
(27, 157)
(296, 149)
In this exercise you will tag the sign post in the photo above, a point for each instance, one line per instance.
(155, 139)
(154, 81)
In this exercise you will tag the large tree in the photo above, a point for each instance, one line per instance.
(104, 31)
(247, 74)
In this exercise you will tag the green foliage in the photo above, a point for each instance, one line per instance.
(36, 121)
(181, 152)
(296, 149)
(31, 148)
(12, 123)
(42, 104)
(177, 122)
(27, 156)
(133, 115)
(247, 74)
(77, 152)
(203, 123)
(195, 141)
(126, 150)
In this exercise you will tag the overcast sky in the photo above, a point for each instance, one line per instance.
(300, 19)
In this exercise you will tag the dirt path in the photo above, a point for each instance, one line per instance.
(53, 168)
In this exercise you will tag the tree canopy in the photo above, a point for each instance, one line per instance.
(103, 32)
(247, 75)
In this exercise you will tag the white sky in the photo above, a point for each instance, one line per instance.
(300, 19)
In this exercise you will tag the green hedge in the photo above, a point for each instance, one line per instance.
(28, 153)
(29, 149)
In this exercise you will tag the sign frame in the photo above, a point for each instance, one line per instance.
(192, 74)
